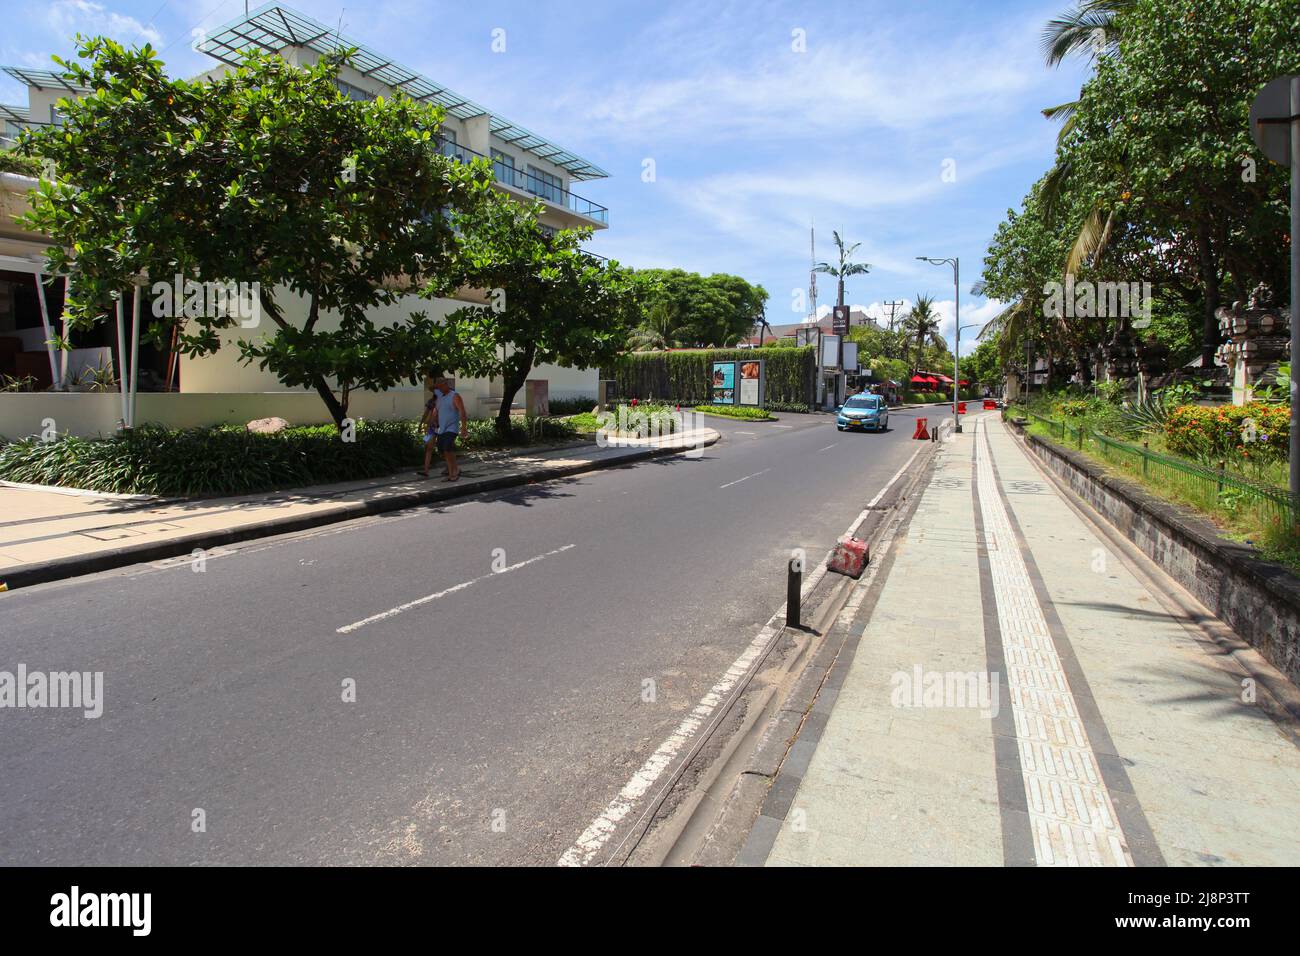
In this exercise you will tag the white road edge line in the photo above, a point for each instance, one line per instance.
(392, 612)
(602, 829)
(746, 478)
(829, 447)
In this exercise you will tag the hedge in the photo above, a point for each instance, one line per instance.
(1256, 432)
(790, 374)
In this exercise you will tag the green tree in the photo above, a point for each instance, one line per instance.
(922, 325)
(712, 311)
(845, 268)
(659, 329)
(265, 175)
(548, 301)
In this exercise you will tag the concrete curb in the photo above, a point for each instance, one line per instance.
(43, 572)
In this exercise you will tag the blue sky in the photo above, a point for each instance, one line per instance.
(751, 138)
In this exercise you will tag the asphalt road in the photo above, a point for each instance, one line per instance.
(492, 722)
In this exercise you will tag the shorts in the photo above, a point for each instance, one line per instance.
(447, 442)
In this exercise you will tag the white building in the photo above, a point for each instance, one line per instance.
(217, 387)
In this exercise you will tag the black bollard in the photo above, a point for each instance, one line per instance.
(793, 591)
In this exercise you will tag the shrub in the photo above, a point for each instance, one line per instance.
(230, 460)
(798, 408)
(571, 406)
(1257, 432)
(222, 460)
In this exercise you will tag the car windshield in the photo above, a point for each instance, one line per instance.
(862, 401)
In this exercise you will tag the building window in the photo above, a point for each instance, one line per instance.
(503, 167)
(450, 149)
(548, 187)
(353, 92)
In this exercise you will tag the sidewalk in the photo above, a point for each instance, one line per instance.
(1048, 705)
(47, 534)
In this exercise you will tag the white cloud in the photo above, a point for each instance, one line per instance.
(69, 17)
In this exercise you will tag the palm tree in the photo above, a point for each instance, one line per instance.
(661, 329)
(845, 267)
(922, 325)
(1093, 27)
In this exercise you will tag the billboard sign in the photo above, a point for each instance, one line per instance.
(723, 385)
(830, 351)
(751, 383)
(851, 357)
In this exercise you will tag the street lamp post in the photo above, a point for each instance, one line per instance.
(955, 262)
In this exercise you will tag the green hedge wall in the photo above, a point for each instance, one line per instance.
(684, 376)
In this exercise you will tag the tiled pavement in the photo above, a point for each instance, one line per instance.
(1042, 707)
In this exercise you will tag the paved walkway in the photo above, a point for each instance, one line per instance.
(48, 533)
(1045, 707)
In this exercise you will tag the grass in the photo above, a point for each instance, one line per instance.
(627, 420)
(1238, 514)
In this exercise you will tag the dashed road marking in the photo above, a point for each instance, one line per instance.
(393, 612)
(746, 478)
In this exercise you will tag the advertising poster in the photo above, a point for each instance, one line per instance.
(751, 383)
(724, 383)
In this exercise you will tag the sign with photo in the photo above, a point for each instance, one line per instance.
(751, 382)
(723, 386)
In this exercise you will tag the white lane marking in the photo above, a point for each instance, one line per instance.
(392, 612)
(746, 433)
(1071, 815)
(746, 478)
(829, 447)
(602, 829)
(783, 426)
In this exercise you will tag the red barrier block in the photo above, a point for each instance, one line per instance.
(990, 404)
(850, 557)
(961, 408)
(921, 431)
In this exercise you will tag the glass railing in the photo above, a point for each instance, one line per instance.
(530, 183)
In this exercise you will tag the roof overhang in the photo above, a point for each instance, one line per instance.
(272, 28)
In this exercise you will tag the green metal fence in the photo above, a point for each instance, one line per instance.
(1212, 489)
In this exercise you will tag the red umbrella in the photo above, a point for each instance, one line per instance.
(963, 382)
(921, 380)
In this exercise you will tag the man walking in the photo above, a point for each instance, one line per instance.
(448, 419)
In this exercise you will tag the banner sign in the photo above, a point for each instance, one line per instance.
(840, 319)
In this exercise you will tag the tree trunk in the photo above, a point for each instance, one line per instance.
(511, 383)
(1210, 283)
(339, 410)
(1085, 366)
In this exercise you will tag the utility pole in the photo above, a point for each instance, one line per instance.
(893, 307)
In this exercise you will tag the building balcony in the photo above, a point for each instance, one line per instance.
(519, 180)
